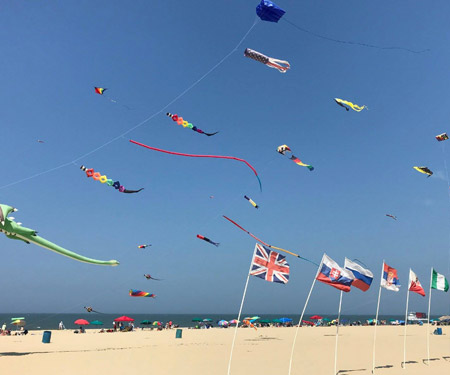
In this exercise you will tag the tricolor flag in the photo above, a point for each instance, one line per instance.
(332, 274)
(390, 279)
(363, 276)
(439, 281)
(414, 284)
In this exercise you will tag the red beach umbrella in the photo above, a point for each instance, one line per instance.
(81, 322)
(124, 319)
(316, 317)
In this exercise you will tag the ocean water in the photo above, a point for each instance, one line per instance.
(51, 321)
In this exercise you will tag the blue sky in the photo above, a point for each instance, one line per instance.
(146, 54)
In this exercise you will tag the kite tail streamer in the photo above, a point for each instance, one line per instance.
(297, 161)
(281, 65)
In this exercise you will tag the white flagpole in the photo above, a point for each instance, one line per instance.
(376, 320)
(337, 335)
(428, 322)
(406, 324)
(239, 315)
(301, 317)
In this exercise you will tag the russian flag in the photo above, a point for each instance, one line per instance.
(363, 276)
(330, 273)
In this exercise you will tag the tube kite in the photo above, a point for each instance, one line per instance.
(180, 121)
(269, 11)
(424, 170)
(285, 148)
(392, 216)
(201, 156)
(346, 104)
(97, 176)
(207, 240)
(143, 246)
(15, 231)
(281, 65)
(148, 277)
(251, 201)
(442, 137)
(139, 293)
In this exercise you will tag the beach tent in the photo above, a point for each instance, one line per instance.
(81, 322)
(124, 319)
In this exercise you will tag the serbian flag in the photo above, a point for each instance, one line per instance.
(330, 273)
(363, 276)
(414, 284)
(390, 279)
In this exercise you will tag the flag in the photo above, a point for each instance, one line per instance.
(439, 281)
(330, 273)
(390, 279)
(363, 276)
(269, 265)
(414, 284)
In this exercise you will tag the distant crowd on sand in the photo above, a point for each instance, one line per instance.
(7, 332)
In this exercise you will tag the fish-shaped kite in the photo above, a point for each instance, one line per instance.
(140, 293)
(251, 201)
(424, 170)
(442, 137)
(346, 104)
(283, 149)
(180, 121)
(207, 240)
(281, 65)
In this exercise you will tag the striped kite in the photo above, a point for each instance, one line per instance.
(281, 65)
(140, 293)
(285, 148)
(180, 121)
(345, 103)
(251, 201)
(208, 240)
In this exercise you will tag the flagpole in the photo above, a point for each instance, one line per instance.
(428, 322)
(406, 324)
(337, 335)
(239, 315)
(301, 317)
(376, 320)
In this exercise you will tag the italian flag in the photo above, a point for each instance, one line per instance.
(439, 281)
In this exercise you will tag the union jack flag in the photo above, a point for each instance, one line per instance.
(269, 265)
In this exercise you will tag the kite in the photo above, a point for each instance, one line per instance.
(392, 216)
(343, 104)
(39, 141)
(285, 148)
(99, 90)
(249, 323)
(139, 293)
(201, 156)
(251, 201)
(281, 65)
(97, 176)
(268, 11)
(15, 231)
(180, 121)
(207, 240)
(148, 277)
(89, 309)
(266, 244)
(423, 170)
(143, 246)
(442, 137)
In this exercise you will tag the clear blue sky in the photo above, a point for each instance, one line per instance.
(146, 53)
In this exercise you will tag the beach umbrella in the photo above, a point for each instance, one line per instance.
(97, 323)
(156, 323)
(146, 322)
(222, 323)
(207, 320)
(81, 322)
(326, 319)
(276, 321)
(265, 321)
(21, 318)
(444, 317)
(285, 320)
(234, 321)
(197, 319)
(124, 319)
(19, 322)
(307, 322)
(316, 317)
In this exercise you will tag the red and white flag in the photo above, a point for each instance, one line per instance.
(414, 284)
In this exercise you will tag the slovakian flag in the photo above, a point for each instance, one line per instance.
(332, 274)
(269, 265)
(390, 279)
(414, 284)
(363, 276)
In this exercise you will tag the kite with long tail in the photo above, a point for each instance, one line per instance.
(208, 240)
(266, 244)
(392, 216)
(89, 309)
(148, 277)
(140, 293)
(201, 156)
(180, 121)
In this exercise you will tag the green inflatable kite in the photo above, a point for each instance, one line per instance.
(15, 231)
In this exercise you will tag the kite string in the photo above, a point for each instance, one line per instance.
(448, 193)
(184, 92)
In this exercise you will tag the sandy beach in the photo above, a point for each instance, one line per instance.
(205, 352)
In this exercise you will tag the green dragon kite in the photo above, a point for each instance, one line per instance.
(15, 231)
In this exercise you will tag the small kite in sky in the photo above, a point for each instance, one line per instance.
(180, 121)
(148, 277)
(97, 176)
(424, 170)
(89, 309)
(392, 216)
(143, 246)
(281, 65)
(442, 137)
(140, 293)
(269, 11)
(39, 141)
(99, 90)
(346, 104)
(283, 149)
(251, 201)
(207, 240)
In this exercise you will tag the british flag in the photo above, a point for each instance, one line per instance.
(269, 265)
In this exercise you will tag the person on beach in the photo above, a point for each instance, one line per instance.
(4, 327)
(61, 325)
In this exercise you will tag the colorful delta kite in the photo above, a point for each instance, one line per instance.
(208, 240)
(442, 137)
(251, 201)
(285, 148)
(15, 231)
(201, 156)
(180, 121)
(346, 104)
(97, 176)
(268, 11)
(140, 293)
(143, 246)
(148, 277)
(281, 65)
(99, 90)
(424, 170)
(392, 216)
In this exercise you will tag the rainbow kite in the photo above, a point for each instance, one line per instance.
(99, 90)
(140, 293)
